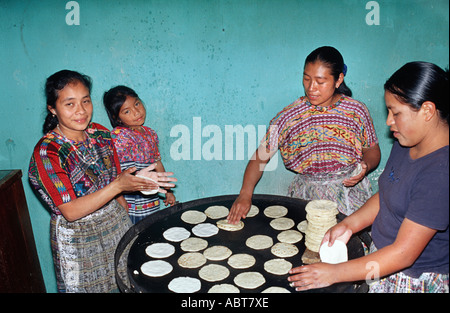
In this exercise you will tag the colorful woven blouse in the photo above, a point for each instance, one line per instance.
(133, 146)
(140, 150)
(58, 172)
(314, 139)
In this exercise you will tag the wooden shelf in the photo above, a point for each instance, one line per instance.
(20, 270)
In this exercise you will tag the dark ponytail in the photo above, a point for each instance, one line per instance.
(54, 84)
(417, 82)
(333, 59)
(51, 121)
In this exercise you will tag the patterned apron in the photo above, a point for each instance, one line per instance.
(83, 250)
(328, 186)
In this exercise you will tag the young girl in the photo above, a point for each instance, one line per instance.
(322, 137)
(410, 213)
(75, 170)
(136, 145)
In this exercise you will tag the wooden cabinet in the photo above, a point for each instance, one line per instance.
(20, 270)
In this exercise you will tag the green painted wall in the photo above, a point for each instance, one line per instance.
(214, 63)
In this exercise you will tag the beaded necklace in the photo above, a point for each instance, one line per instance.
(93, 156)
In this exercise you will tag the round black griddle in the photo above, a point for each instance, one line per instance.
(150, 230)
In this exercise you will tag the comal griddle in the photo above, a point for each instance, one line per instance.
(150, 230)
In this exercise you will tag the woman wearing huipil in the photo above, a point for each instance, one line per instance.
(410, 213)
(325, 137)
(75, 170)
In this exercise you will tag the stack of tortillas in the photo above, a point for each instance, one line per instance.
(321, 216)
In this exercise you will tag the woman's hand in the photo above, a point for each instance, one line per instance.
(126, 182)
(161, 178)
(170, 199)
(338, 232)
(239, 209)
(320, 275)
(252, 174)
(370, 160)
(352, 181)
(317, 275)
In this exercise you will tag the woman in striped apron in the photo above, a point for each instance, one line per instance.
(75, 170)
(326, 137)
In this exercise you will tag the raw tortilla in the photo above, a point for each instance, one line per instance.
(321, 216)
(205, 230)
(253, 211)
(302, 226)
(282, 223)
(193, 244)
(290, 236)
(357, 170)
(176, 234)
(284, 250)
(156, 268)
(275, 211)
(335, 254)
(185, 285)
(160, 250)
(241, 260)
(217, 211)
(277, 266)
(191, 260)
(323, 206)
(259, 242)
(213, 272)
(275, 289)
(224, 288)
(223, 224)
(249, 280)
(193, 217)
(217, 253)
(151, 191)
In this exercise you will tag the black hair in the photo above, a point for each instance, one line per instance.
(333, 59)
(113, 100)
(417, 82)
(53, 85)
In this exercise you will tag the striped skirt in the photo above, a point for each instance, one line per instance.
(328, 186)
(83, 250)
(140, 206)
(402, 283)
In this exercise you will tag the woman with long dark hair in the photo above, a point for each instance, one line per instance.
(410, 213)
(75, 170)
(326, 137)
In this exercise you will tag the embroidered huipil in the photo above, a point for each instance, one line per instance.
(62, 170)
(58, 174)
(314, 139)
(323, 145)
(140, 150)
